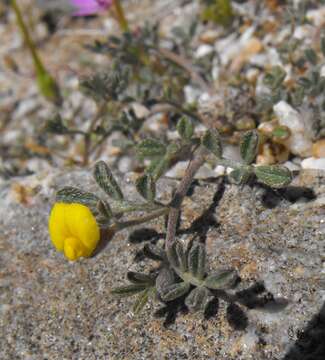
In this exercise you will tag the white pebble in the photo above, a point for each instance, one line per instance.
(313, 163)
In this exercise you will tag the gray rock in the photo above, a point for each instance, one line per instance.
(53, 309)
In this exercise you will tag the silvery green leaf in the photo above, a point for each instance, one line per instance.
(185, 128)
(176, 255)
(249, 146)
(275, 77)
(150, 148)
(146, 187)
(198, 299)
(139, 278)
(104, 209)
(240, 176)
(172, 149)
(72, 195)
(174, 291)
(211, 140)
(304, 82)
(158, 167)
(322, 45)
(165, 278)
(154, 252)
(141, 301)
(128, 290)
(181, 255)
(222, 279)
(196, 260)
(311, 56)
(56, 126)
(273, 175)
(105, 179)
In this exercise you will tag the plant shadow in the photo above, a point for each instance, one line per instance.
(310, 344)
(254, 297)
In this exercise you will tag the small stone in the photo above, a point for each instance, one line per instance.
(266, 128)
(299, 143)
(319, 149)
(210, 36)
(245, 123)
(140, 111)
(271, 153)
(203, 50)
(179, 169)
(313, 163)
(125, 164)
(252, 47)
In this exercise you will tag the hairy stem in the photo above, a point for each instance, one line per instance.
(181, 192)
(46, 84)
(140, 220)
(187, 66)
(121, 16)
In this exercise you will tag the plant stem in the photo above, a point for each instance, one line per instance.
(46, 83)
(187, 66)
(140, 220)
(87, 136)
(121, 16)
(181, 192)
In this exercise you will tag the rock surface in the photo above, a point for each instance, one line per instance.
(53, 309)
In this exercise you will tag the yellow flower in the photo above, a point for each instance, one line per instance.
(73, 230)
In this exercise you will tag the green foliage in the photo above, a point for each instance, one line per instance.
(274, 176)
(211, 140)
(151, 148)
(249, 146)
(105, 179)
(107, 86)
(146, 187)
(185, 128)
(306, 91)
(218, 11)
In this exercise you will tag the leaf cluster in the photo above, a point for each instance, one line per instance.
(307, 90)
(182, 273)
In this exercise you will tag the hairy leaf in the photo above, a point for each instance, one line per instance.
(176, 255)
(141, 301)
(240, 176)
(139, 278)
(198, 299)
(165, 278)
(174, 291)
(211, 140)
(322, 45)
(158, 167)
(185, 128)
(72, 195)
(154, 252)
(104, 209)
(105, 179)
(146, 187)
(273, 175)
(249, 146)
(222, 279)
(275, 77)
(181, 255)
(196, 260)
(128, 290)
(150, 148)
(311, 56)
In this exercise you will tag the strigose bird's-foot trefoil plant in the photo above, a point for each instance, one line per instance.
(183, 270)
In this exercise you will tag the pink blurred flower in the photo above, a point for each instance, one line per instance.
(90, 7)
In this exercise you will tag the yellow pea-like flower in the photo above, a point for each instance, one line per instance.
(73, 230)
